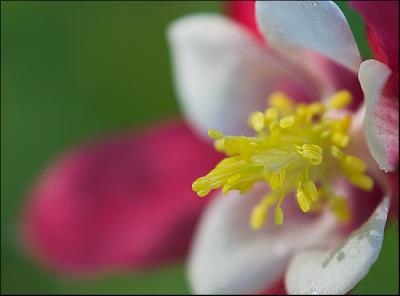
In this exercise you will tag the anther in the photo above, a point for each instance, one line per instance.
(340, 139)
(287, 121)
(303, 201)
(256, 121)
(279, 216)
(354, 164)
(281, 102)
(311, 190)
(258, 217)
(276, 179)
(340, 208)
(362, 181)
(216, 135)
(311, 152)
(340, 100)
(271, 114)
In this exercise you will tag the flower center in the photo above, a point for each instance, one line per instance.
(297, 148)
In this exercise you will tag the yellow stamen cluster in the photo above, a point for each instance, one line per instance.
(297, 148)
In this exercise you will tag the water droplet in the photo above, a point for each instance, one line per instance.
(351, 253)
(340, 256)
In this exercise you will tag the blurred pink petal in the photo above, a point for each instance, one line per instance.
(244, 13)
(119, 202)
(382, 20)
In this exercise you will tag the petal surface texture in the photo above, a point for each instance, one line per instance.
(227, 256)
(120, 202)
(223, 73)
(339, 270)
(319, 26)
(381, 115)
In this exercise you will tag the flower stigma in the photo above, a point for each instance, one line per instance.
(297, 148)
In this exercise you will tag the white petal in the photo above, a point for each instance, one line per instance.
(316, 25)
(339, 270)
(229, 257)
(222, 73)
(381, 119)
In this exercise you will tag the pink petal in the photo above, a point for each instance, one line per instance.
(276, 289)
(336, 271)
(319, 26)
(381, 116)
(330, 53)
(228, 257)
(118, 203)
(382, 20)
(222, 73)
(244, 13)
(387, 123)
(334, 77)
(362, 204)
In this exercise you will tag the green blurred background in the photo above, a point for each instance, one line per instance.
(71, 71)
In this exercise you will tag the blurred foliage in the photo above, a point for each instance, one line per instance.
(71, 71)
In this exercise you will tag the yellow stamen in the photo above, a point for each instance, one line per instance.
(362, 181)
(311, 152)
(281, 102)
(303, 201)
(258, 217)
(216, 135)
(271, 114)
(316, 109)
(276, 179)
(337, 153)
(354, 164)
(340, 208)
(278, 216)
(287, 121)
(256, 121)
(297, 148)
(342, 125)
(340, 139)
(259, 213)
(311, 190)
(274, 124)
(219, 145)
(340, 100)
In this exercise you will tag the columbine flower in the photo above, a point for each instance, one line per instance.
(223, 74)
(126, 201)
